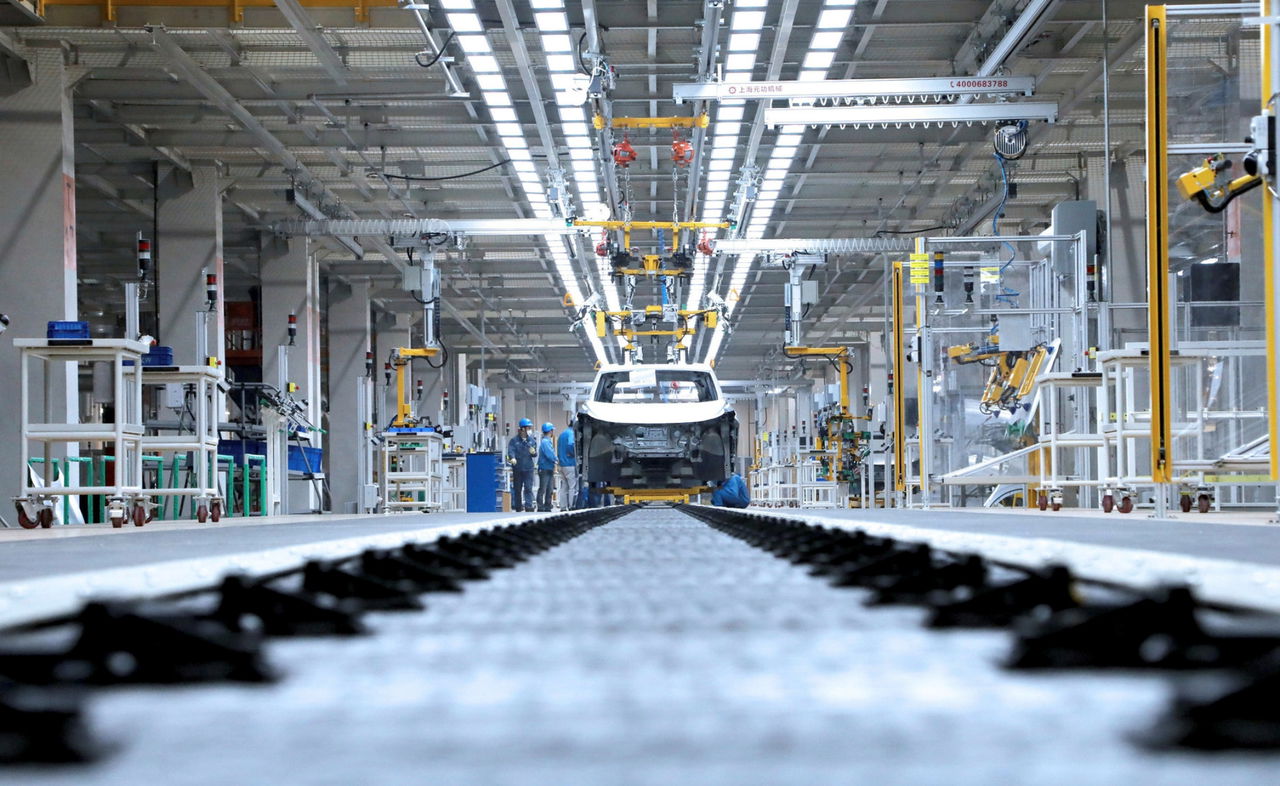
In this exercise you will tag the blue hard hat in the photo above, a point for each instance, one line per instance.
(547, 427)
(526, 423)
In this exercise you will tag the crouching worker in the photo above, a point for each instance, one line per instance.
(732, 493)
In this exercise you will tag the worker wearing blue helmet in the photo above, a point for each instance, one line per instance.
(522, 451)
(546, 467)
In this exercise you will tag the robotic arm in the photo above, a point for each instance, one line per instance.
(1207, 185)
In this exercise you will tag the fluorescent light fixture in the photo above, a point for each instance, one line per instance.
(551, 21)
(841, 3)
(788, 139)
(720, 165)
(819, 59)
(713, 177)
(562, 63)
(483, 63)
(503, 114)
(465, 23)
(557, 43)
(787, 152)
(772, 182)
(575, 129)
(729, 129)
(740, 61)
(496, 97)
(581, 154)
(456, 5)
(833, 19)
(540, 4)
(490, 82)
(813, 75)
(751, 3)
(474, 44)
(509, 129)
(523, 166)
(515, 143)
(518, 154)
(744, 42)
(723, 152)
(829, 39)
(747, 20)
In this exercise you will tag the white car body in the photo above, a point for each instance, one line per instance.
(660, 426)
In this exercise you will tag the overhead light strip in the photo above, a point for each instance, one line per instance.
(493, 91)
(829, 29)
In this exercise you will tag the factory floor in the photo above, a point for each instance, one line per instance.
(651, 650)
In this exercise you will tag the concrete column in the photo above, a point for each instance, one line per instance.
(37, 242)
(189, 245)
(291, 285)
(350, 337)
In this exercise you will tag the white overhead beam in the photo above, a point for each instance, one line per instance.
(919, 114)
(856, 88)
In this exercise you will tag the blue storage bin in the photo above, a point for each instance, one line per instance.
(67, 330)
(236, 449)
(158, 356)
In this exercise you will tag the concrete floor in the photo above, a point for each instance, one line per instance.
(653, 650)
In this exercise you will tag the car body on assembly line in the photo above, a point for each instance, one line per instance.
(656, 427)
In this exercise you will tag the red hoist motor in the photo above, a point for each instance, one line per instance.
(623, 153)
(602, 248)
(681, 151)
(704, 245)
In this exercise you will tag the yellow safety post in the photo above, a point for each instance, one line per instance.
(1157, 106)
(1269, 208)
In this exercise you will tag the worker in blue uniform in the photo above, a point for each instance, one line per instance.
(522, 451)
(546, 467)
(567, 458)
(732, 493)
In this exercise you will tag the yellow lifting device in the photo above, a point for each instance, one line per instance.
(675, 227)
(710, 317)
(630, 496)
(1013, 374)
(400, 358)
(698, 121)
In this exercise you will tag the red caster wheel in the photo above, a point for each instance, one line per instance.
(117, 521)
(151, 515)
(1056, 506)
(1184, 502)
(1108, 503)
(1042, 501)
(1126, 504)
(140, 516)
(202, 514)
(45, 517)
(1203, 502)
(25, 521)
(215, 512)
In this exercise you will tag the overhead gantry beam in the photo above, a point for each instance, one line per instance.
(306, 28)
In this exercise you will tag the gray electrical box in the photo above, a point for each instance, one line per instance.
(808, 292)
(1068, 219)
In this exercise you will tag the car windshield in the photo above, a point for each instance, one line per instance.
(655, 386)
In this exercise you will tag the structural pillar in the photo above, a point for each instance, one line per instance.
(291, 285)
(350, 337)
(188, 247)
(37, 241)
